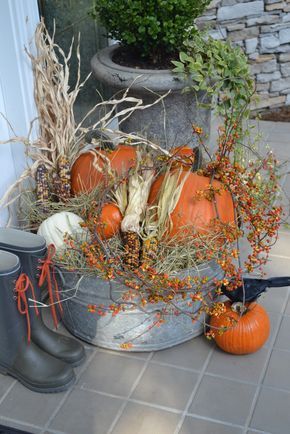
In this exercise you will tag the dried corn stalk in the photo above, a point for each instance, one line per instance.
(54, 99)
(139, 185)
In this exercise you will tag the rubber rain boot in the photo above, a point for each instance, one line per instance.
(32, 252)
(20, 357)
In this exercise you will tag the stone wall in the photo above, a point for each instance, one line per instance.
(262, 29)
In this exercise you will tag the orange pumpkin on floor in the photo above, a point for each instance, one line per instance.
(109, 221)
(194, 212)
(247, 331)
(91, 168)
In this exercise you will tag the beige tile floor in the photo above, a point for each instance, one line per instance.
(190, 389)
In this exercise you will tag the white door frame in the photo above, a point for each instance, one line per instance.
(18, 20)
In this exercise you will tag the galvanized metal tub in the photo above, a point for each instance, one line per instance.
(132, 325)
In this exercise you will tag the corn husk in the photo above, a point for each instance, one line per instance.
(158, 220)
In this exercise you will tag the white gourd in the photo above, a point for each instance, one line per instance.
(56, 227)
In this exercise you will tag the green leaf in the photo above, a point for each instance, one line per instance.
(184, 57)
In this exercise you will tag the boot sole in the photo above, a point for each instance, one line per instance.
(34, 388)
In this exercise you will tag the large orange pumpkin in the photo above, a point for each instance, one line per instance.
(194, 212)
(109, 222)
(187, 157)
(90, 169)
(245, 336)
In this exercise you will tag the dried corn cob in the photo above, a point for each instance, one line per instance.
(149, 250)
(139, 185)
(132, 246)
(42, 190)
(56, 186)
(64, 192)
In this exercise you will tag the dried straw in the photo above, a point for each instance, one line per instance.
(59, 134)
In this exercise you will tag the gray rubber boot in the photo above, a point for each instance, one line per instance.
(31, 250)
(19, 358)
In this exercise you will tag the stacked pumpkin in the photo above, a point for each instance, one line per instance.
(90, 170)
(95, 168)
(192, 212)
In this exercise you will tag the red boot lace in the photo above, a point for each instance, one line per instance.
(23, 283)
(47, 274)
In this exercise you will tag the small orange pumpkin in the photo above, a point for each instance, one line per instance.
(109, 221)
(246, 333)
(90, 169)
(193, 211)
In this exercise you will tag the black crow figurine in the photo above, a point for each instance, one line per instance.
(254, 288)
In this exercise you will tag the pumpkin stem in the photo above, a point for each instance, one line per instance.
(239, 307)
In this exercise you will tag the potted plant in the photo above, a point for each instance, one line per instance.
(151, 34)
(142, 237)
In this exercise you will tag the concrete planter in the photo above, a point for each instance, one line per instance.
(169, 123)
(132, 324)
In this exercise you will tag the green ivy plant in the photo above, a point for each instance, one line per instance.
(220, 70)
(154, 29)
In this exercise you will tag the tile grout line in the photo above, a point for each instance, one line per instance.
(218, 421)
(222, 422)
(127, 355)
(53, 431)
(135, 384)
(264, 370)
(278, 389)
(100, 392)
(278, 256)
(194, 392)
(20, 422)
(224, 377)
(67, 393)
(259, 431)
(172, 365)
(156, 406)
(7, 391)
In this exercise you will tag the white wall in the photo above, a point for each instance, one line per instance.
(18, 19)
